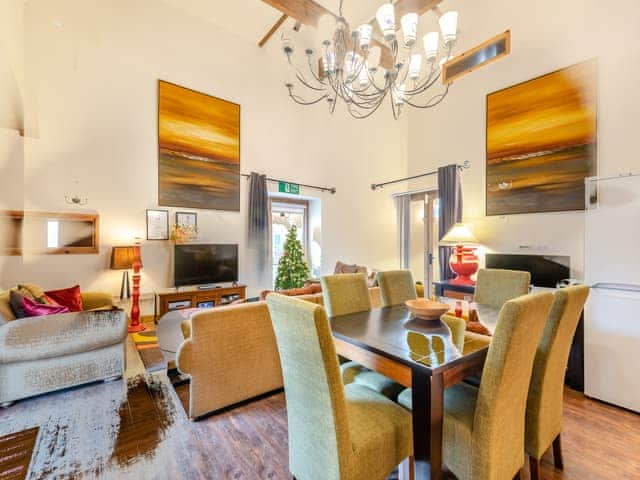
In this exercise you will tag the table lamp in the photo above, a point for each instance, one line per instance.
(124, 258)
(463, 260)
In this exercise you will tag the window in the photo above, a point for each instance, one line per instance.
(285, 213)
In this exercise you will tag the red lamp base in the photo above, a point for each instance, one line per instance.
(464, 263)
(136, 328)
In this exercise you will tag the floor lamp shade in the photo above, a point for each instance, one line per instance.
(463, 261)
(122, 258)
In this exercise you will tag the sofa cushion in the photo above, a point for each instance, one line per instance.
(33, 308)
(38, 338)
(16, 303)
(68, 297)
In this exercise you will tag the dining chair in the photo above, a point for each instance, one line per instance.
(484, 428)
(348, 293)
(336, 431)
(544, 405)
(495, 286)
(396, 287)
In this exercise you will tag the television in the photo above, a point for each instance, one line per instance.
(546, 270)
(198, 264)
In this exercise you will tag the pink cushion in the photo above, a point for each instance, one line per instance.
(34, 309)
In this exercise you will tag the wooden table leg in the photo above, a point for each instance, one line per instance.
(427, 405)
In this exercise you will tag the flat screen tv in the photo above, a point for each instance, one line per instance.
(199, 264)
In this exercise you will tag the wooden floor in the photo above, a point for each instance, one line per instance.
(250, 441)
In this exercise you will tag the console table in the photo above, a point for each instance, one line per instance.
(192, 297)
(453, 290)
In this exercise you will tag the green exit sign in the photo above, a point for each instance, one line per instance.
(286, 187)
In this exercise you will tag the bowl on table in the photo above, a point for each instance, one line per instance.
(425, 309)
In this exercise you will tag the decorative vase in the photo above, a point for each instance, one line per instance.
(464, 263)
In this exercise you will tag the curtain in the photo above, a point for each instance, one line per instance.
(450, 194)
(403, 211)
(259, 235)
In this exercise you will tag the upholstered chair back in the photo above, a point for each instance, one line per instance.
(494, 286)
(396, 287)
(319, 441)
(345, 293)
(498, 425)
(544, 406)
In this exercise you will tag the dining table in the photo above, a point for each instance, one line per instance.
(420, 354)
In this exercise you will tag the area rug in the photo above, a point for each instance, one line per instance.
(16, 450)
(120, 430)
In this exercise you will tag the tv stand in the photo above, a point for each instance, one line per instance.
(194, 297)
(209, 286)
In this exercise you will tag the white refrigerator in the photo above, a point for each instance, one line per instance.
(612, 268)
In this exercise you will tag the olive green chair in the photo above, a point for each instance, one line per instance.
(494, 287)
(347, 293)
(396, 287)
(544, 406)
(336, 431)
(484, 429)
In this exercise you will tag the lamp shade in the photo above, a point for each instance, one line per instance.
(459, 234)
(123, 258)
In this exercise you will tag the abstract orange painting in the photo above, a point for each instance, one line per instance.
(198, 150)
(541, 142)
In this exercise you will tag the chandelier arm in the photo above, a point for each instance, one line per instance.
(426, 83)
(373, 83)
(424, 87)
(303, 81)
(301, 101)
(393, 108)
(433, 101)
(317, 77)
(359, 116)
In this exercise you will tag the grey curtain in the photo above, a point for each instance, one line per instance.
(259, 237)
(403, 212)
(450, 194)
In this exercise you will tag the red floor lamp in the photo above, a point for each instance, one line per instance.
(125, 258)
(463, 261)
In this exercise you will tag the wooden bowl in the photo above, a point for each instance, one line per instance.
(427, 309)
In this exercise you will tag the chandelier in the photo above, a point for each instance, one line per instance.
(348, 66)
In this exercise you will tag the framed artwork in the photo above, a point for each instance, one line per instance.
(187, 219)
(157, 224)
(541, 142)
(198, 150)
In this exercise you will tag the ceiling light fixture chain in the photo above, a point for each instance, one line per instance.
(350, 68)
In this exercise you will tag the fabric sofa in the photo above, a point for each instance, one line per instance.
(43, 354)
(230, 354)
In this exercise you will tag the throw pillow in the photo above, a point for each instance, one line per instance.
(68, 297)
(33, 308)
(15, 301)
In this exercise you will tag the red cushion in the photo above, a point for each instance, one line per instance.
(68, 297)
(33, 308)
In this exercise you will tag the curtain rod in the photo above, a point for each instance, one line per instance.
(374, 186)
(331, 190)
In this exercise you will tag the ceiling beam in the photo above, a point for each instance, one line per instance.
(273, 30)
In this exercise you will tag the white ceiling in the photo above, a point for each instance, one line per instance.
(251, 19)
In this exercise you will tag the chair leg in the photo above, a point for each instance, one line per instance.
(519, 475)
(406, 469)
(557, 453)
(534, 468)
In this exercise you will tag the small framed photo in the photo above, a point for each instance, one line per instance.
(157, 224)
(187, 219)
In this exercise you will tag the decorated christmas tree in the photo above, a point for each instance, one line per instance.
(293, 270)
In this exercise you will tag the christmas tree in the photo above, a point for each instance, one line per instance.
(293, 270)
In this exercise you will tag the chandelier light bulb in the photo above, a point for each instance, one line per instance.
(365, 30)
(328, 60)
(431, 41)
(363, 77)
(409, 24)
(373, 59)
(387, 21)
(415, 63)
(399, 95)
(449, 27)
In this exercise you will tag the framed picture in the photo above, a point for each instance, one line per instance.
(157, 224)
(198, 150)
(541, 142)
(187, 219)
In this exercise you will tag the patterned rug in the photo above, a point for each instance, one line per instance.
(119, 430)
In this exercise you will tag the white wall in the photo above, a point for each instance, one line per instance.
(546, 35)
(95, 85)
